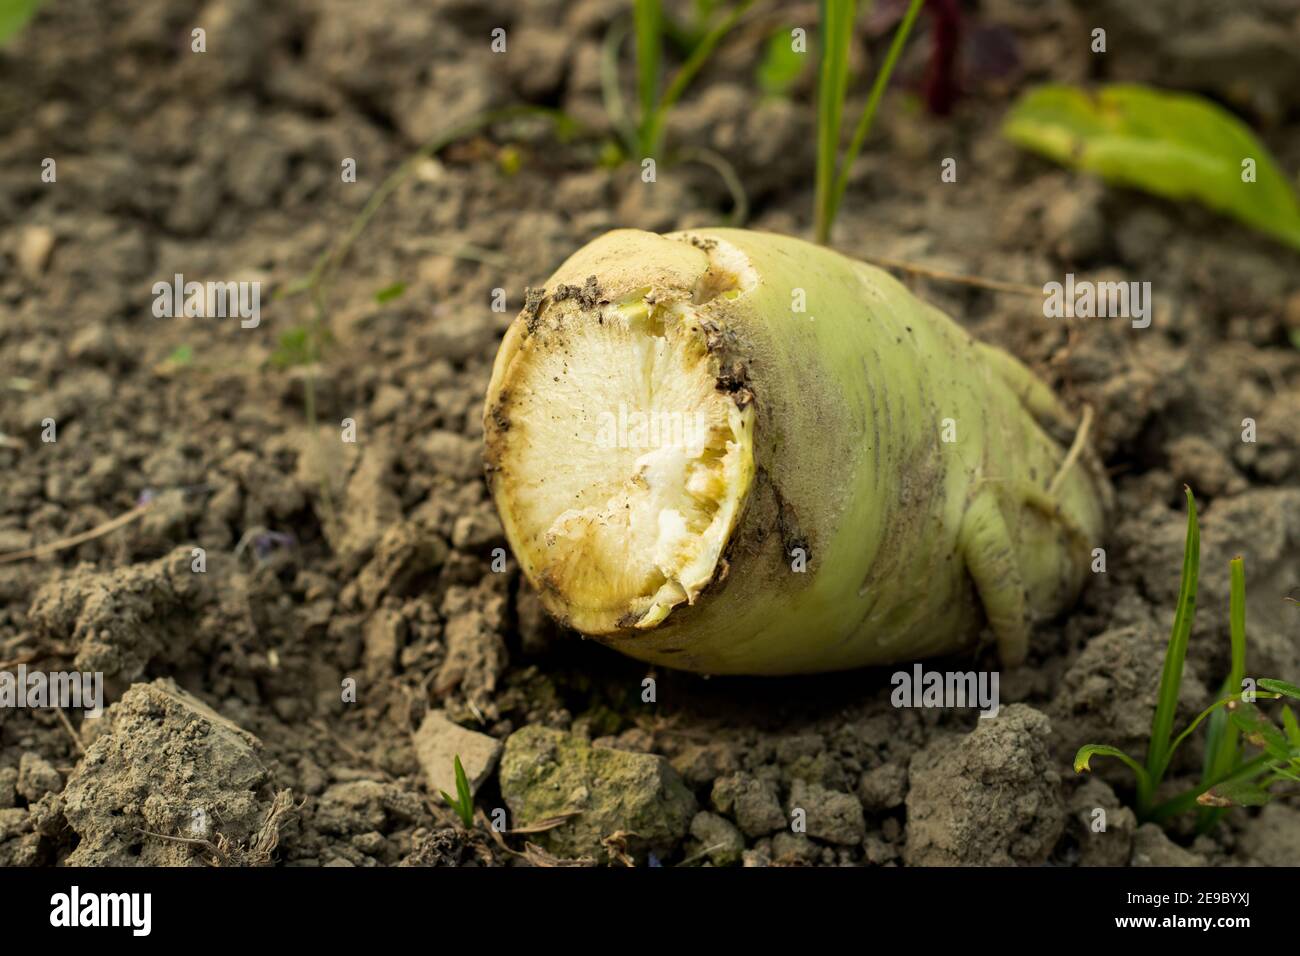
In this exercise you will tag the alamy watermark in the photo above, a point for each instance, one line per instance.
(644, 431)
(133, 911)
(209, 300)
(76, 690)
(1086, 299)
(922, 688)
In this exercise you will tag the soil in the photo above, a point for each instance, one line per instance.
(295, 702)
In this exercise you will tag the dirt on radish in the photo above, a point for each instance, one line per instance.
(360, 617)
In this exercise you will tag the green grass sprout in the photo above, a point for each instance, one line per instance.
(390, 293)
(14, 15)
(1227, 778)
(645, 139)
(781, 66)
(832, 171)
(463, 802)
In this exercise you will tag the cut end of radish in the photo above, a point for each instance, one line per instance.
(619, 463)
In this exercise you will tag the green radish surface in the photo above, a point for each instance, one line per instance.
(869, 484)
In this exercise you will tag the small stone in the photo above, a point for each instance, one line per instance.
(383, 636)
(1152, 848)
(1273, 838)
(405, 553)
(477, 530)
(37, 777)
(13, 822)
(883, 788)
(720, 841)
(831, 816)
(8, 786)
(794, 848)
(545, 773)
(362, 806)
(452, 454)
(1105, 838)
(751, 802)
(35, 244)
(439, 741)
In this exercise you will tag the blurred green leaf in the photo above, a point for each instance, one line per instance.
(1171, 677)
(181, 356)
(14, 15)
(1171, 144)
(781, 66)
(1235, 793)
(1083, 759)
(1279, 687)
(390, 292)
(1291, 726)
(298, 346)
(1259, 730)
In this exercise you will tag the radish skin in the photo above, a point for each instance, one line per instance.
(870, 484)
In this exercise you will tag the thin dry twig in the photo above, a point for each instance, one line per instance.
(219, 855)
(67, 725)
(996, 285)
(24, 659)
(541, 826)
(51, 547)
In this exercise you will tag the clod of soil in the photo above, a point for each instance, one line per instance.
(546, 773)
(991, 797)
(168, 765)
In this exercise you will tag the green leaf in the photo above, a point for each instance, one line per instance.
(648, 23)
(464, 802)
(390, 292)
(1221, 743)
(836, 18)
(14, 15)
(182, 355)
(1084, 757)
(1234, 793)
(1290, 726)
(1174, 145)
(462, 784)
(1259, 730)
(863, 128)
(1171, 677)
(1279, 687)
(781, 65)
(293, 349)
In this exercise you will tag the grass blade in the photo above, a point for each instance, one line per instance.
(1187, 800)
(1084, 757)
(1235, 793)
(610, 91)
(647, 16)
(873, 101)
(1280, 687)
(699, 56)
(465, 795)
(14, 15)
(1221, 743)
(1291, 726)
(832, 82)
(1171, 677)
(1259, 731)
